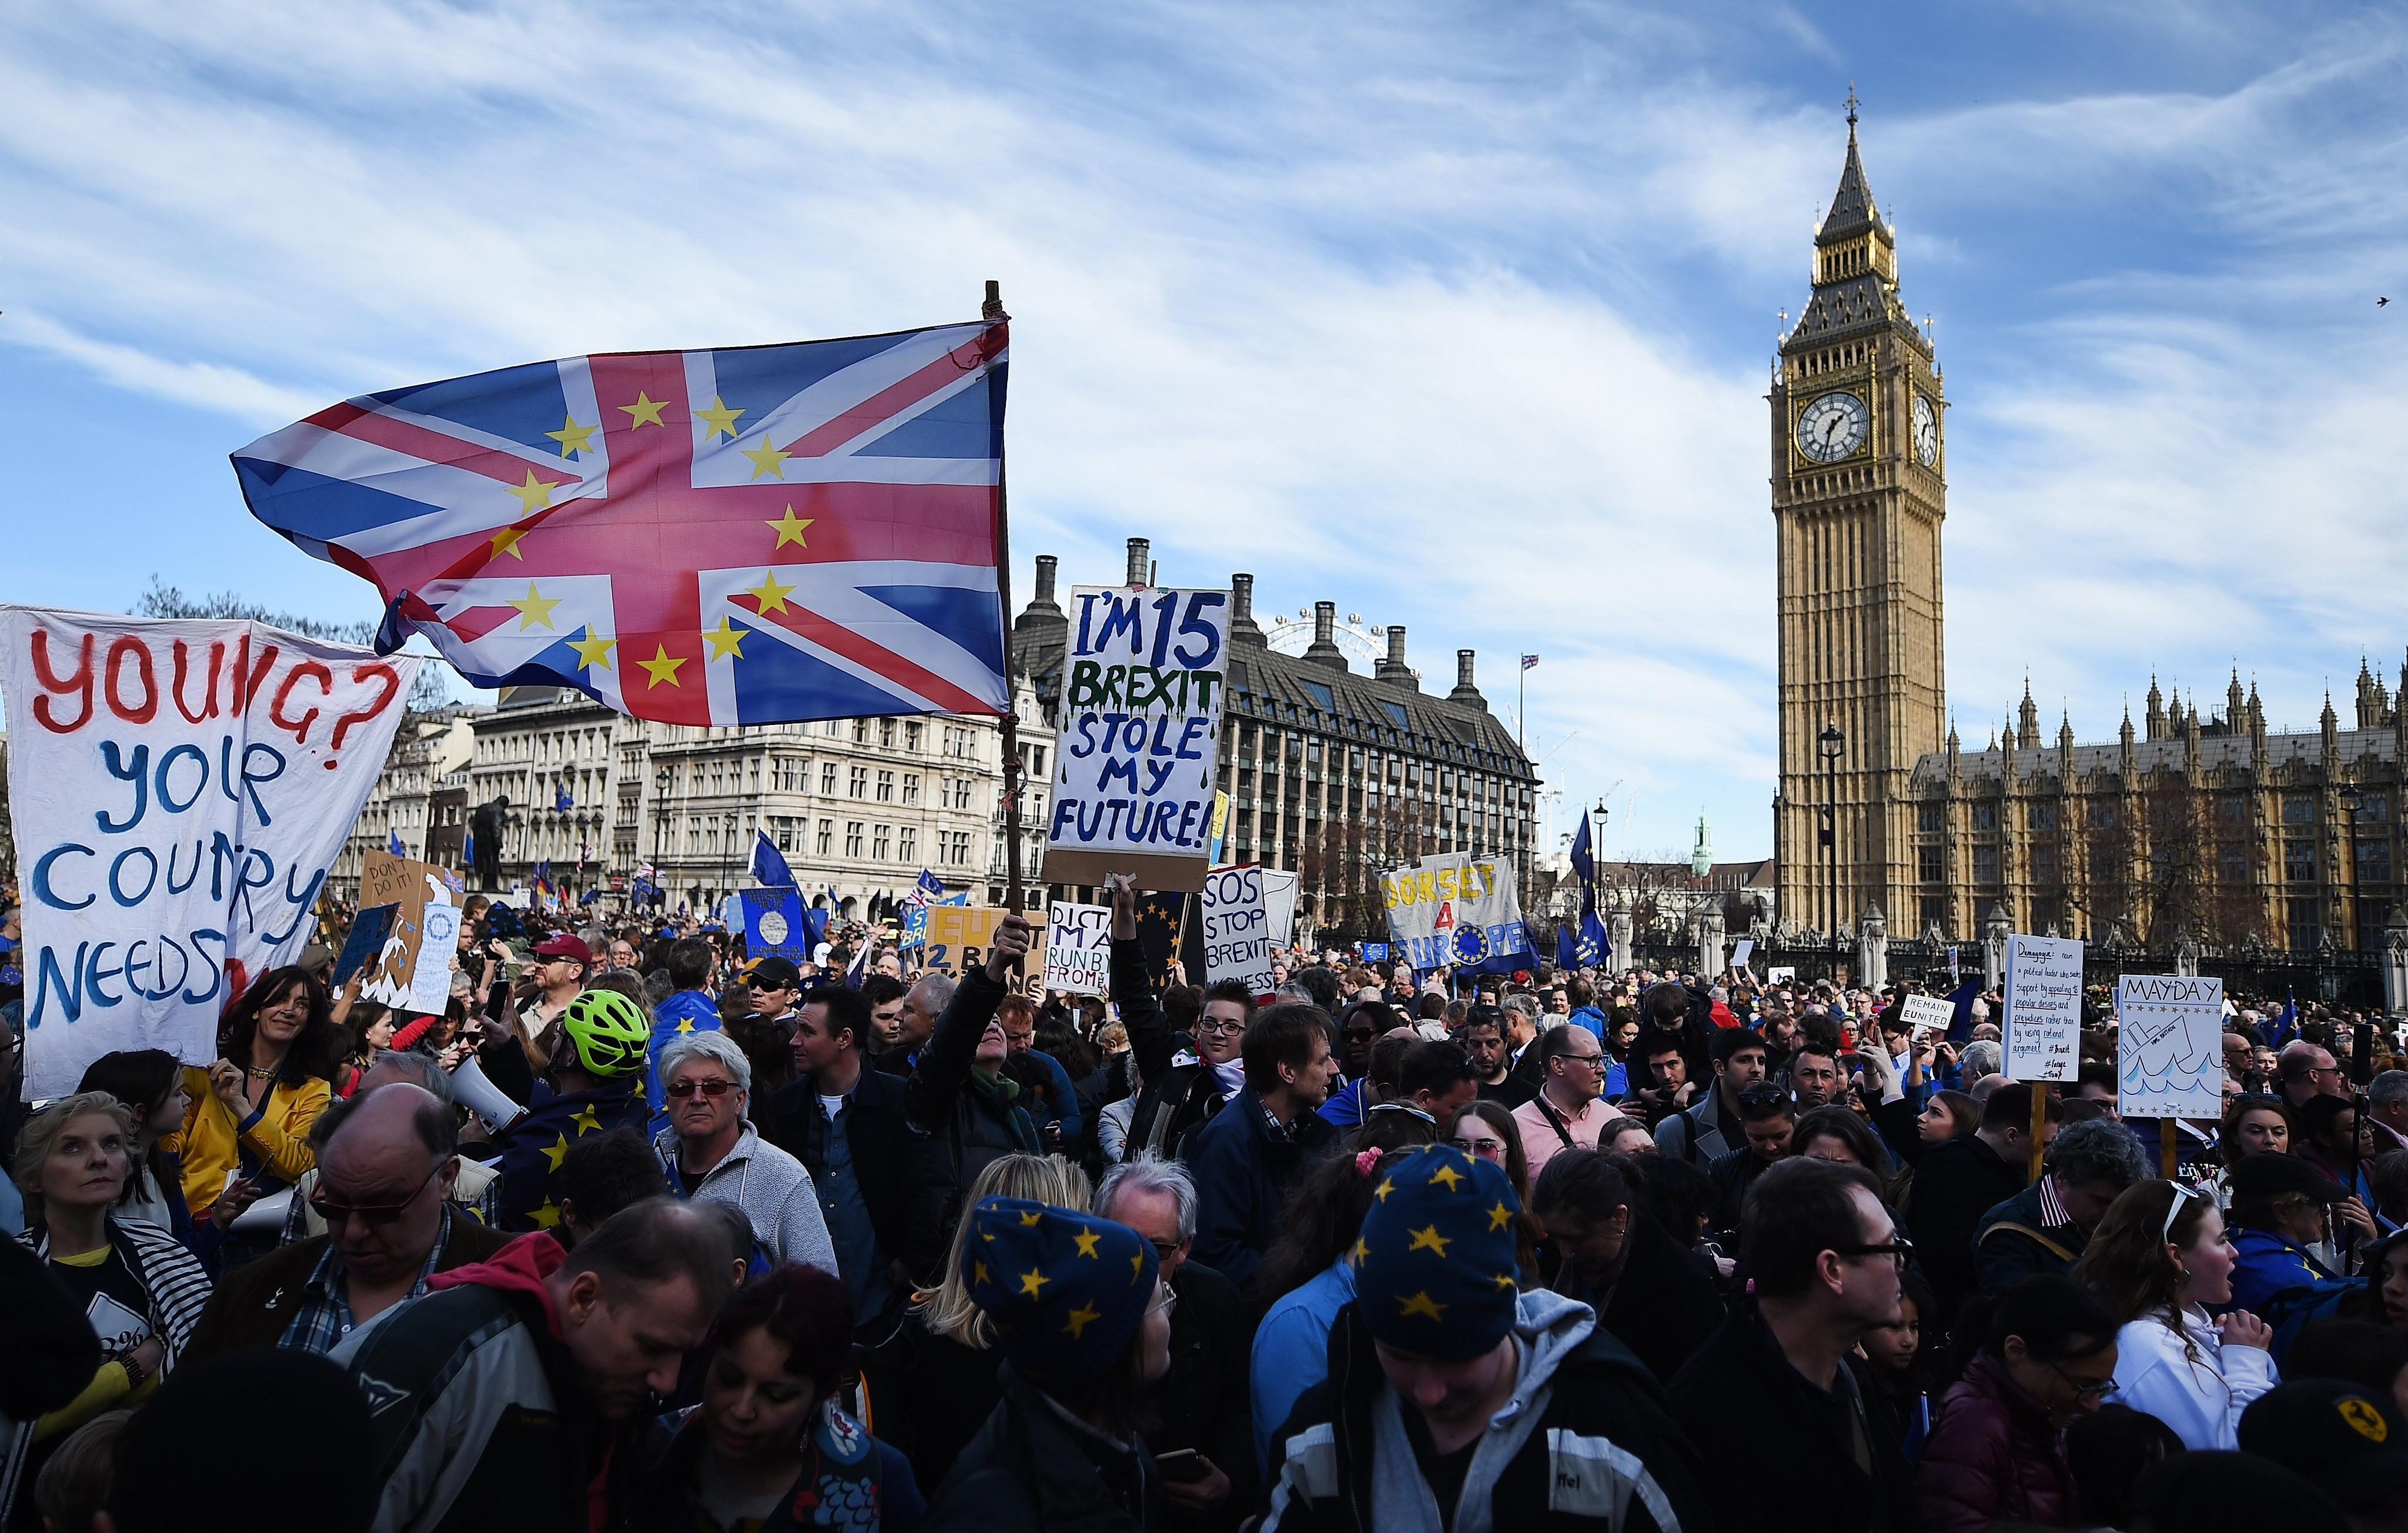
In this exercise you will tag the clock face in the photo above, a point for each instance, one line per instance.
(1833, 426)
(1927, 432)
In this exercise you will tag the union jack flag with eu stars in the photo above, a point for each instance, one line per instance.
(744, 536)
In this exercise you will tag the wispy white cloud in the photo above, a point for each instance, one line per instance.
(1460, 320)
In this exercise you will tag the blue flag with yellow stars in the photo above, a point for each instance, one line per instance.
(538, 1142)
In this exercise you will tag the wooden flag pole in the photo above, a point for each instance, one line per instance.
(2168, 1148)
(2039, 1126)
(992, 311)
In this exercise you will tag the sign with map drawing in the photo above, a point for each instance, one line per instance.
(2169, 1052)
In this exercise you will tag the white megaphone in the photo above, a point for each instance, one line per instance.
(488, 1101)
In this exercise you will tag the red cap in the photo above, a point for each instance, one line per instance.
(565, 945)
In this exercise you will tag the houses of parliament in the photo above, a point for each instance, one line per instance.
(2195, 827)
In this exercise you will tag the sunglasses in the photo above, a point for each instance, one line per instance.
(2173, 1209)
(374, 1215)
(765, 984)
(679, 1089)
(1484, 1149)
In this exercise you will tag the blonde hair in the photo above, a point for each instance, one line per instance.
(42, 1129)
(946, 1309)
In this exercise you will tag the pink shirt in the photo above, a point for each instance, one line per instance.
(1539, 1137)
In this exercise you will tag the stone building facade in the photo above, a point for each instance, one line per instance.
(1332, 773)
(856, 804)
(2197, 827)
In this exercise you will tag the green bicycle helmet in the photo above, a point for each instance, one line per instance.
(608, 1031)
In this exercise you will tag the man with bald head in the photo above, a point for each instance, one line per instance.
(385, 1169)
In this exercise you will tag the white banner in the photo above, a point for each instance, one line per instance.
(1279, 905)
(179, 788)
(1237, 931)
(2169, 1046)
(1454, 908)
(1141, 699)
(2043, 1021)
(1928, 1013)
(1079, 948)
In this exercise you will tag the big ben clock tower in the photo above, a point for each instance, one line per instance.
(1858, 495)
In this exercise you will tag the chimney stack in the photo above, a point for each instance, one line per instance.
(1046, 565)
(1041, 626)
(1243, 629)
(1139, 549)
(1465, 691)
(1394, 668)
(1323, 650)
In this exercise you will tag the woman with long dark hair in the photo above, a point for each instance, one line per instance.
(151, 1083)
(771, 1444)
(2043, 1353)
(1309, 1274)
(248, 1130)
(2159, 1262)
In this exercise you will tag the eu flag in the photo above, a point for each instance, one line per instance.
(769, 868)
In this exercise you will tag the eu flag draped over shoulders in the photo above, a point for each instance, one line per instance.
(743, 535)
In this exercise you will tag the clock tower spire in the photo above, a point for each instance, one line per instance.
(1858, 501)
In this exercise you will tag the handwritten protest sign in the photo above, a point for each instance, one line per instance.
(2044, 1019)
(425, 920)
(1141, 699)
(179, 789)
(1079, 948)
(960, 935)
(2169, 1046)
(1927, 1014)
(1236, 930)
(1452, 909)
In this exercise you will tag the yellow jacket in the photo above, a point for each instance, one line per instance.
(212, 1140)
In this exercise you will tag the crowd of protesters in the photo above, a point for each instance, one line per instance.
(642, 1234)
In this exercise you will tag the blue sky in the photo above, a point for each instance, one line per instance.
(1457, 315)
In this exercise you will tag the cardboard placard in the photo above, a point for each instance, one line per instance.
(1078, 948)
(1141, 702)
(1927, 1014)
(400, 976)
(2043, 1018)
(1741, 951)
(2169, 1046)
(960, 935)
(1236, 930)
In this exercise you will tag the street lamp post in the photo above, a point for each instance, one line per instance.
(1832, 744)
(728, 873)
(660, 831)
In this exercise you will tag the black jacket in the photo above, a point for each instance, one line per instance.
(2012, 1242)
(1604, 1454)
(1954, 1183)
(1177, 1099)
(1243, 1178)
(1028, 1470)
(1205, 1398)
(1733, 1173)
(967, 1129)
(887, 1150)
(1779, 1451)
(1664, 1304)
(929, 1394)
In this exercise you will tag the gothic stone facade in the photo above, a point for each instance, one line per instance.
(2204, 828)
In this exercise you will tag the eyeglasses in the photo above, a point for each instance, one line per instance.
(1897, 1247)
(1484, 1149)
(2173, 1206)
(1594, 1061)
(375, 1216)
(1219, 1025)
(679, 1089)
(765, 985)
(2087, 1389)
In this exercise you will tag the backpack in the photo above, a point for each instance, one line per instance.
(2290, 1311)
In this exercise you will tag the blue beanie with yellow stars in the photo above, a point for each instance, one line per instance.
(1436, 1270)
(1065, 1290)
